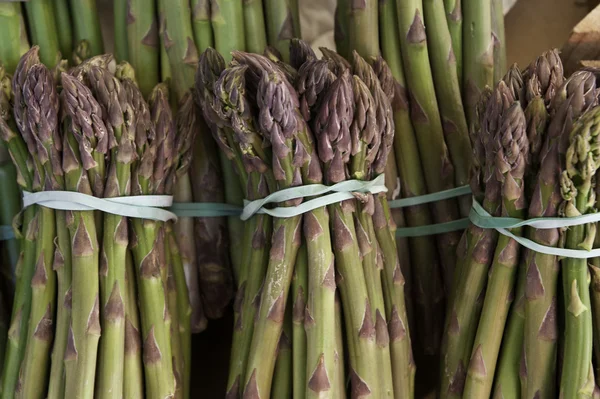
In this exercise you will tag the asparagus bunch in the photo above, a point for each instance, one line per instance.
(79, 295)
(263, 114)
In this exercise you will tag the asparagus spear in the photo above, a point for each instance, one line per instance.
(447, 86)
(282, 377)
(332, 130)
(146, 172)
(283, 24)
(12, 26)
(220, 110)
(64, 28)
(577, 189)
(339, 389)
(143, 43)
(478, 52)
(299, 290)
(255, 29)
(38, 101)
(454, 19)
(541, 287)
(81, 140)
(577, 94)
(203, 33)
(512, 148)
(118, 118)
(17, 334)
(595, 302)
(133, 378)
(300, 53)
(499, 39)
(42, 25)
(428, 291)
(10, 206)
(280, 126)
(87, 24)
(396, 295)
(363, 28)
(120, 34)
(475, 251)
(213, 272)
(439, 171)
(341, 28)
(227, 18)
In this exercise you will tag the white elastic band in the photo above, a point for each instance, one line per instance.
(140, 206)
(337, 193)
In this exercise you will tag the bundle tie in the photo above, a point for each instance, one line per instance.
(137, 206)
(481, 218)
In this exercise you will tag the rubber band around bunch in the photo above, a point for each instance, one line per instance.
(481, 218)
(142, 206)
(6, 233)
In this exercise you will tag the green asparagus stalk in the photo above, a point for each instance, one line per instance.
(541, 287)
(512, 148)
(341, 28)
(478, 52)
(203, 33)
(595, 302)
(299, 291)
(363, 28)
(87, 24)
(337, 105)
(282, 130)
(448, 91)
(577, 189)
(255, 246)
(120, 10)
(10, 206)
(3, 328)
(116, 113)
(283, 24)
(428, 291)
(215, 284)
(438, 170)
(143, 43)
(146, 173)
(64, 28)
(38, 100)
(12, 26)
(396, 295)
(255, 29)
(475, 251)
(454, 18)
(17, 334)
(227, 19)
(282, 377)
(165, 67)
(133, 373)
(176, 345)
(42, 25)
(339, 389)
(82, 144)
(499, 39)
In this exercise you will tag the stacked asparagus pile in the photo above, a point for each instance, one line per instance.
(512, 330)
(314, 121)
(94, 290)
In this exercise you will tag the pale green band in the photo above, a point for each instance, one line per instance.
(141, 206)
(481, 218)
(432, 229)
(6, 233)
